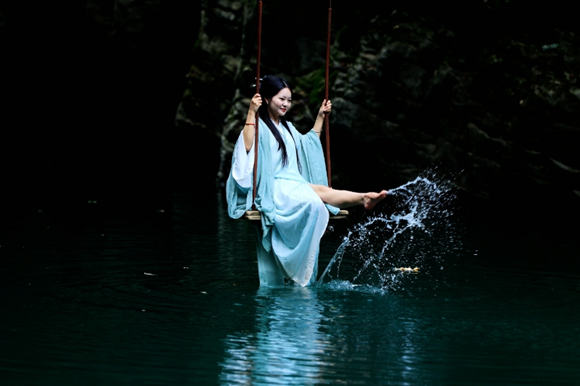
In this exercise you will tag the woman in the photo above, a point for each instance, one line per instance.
(291, 189)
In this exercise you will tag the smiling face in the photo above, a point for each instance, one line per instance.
(279, 104)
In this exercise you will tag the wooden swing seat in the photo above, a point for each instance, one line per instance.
(254, 215)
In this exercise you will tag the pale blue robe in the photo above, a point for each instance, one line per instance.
(294, 218)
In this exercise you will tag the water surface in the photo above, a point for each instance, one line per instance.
(104, 294)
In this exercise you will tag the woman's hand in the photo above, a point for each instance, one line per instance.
(325, 108)
(255, 103)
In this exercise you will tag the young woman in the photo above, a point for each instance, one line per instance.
(292, 196)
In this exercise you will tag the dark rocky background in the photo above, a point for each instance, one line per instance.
(134, 100)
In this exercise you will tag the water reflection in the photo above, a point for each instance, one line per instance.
(286, 346)
(304, 336)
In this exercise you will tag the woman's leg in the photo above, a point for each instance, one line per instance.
(345, 198)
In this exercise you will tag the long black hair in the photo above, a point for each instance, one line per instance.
(271, 85)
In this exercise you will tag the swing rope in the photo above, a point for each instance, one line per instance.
(326, 85)
(257, 113)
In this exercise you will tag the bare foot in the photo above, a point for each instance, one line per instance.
(372, 199)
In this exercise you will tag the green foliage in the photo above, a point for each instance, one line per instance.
(312, 85)
(477, 85)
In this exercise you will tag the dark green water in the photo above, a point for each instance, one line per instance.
(103, 294)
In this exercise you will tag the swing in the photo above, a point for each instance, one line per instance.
(254, 215)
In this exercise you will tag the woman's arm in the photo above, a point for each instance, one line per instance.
(325, 108)
(250, 125)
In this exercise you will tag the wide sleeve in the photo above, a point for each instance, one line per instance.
(239, 185)
(243, 164)
(312, 161)
(237, 197)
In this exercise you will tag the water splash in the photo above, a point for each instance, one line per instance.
(418, 233)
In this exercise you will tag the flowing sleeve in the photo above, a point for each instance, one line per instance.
(240, 183)
(312, 160)
(243, 164)
(238, 197)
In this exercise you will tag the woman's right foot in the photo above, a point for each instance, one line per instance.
(372, 199)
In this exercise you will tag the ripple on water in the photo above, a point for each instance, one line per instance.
(79, 308)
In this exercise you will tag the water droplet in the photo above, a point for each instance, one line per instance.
(418, 230)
